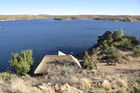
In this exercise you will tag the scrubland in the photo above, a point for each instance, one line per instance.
(124, 18)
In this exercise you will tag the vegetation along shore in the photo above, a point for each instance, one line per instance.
(110, 66)
(124, 18)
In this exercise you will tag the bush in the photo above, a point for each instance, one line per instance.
(22, 61)
(135, 88)
(106, 44)
(61, 74)
(137, 52)
(117, 39)
(133, 40)
(85, 83)
(113, 55)
(126, 43)
(118, 34)
(129, 42)
(7, 76)
(90, 61)
(138, 80)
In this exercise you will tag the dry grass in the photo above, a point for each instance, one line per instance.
(20, 86)
(85, 80)
(85, 83)
(25, 84)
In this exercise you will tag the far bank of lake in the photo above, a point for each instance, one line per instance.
(122, 18)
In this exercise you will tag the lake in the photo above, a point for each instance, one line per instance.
(47, 36)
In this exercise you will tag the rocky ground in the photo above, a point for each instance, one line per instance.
(68, 79)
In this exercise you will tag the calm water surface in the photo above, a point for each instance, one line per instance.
(47, 36)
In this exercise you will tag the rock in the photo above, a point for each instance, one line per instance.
(74, 79)
(3, 86)
(66, 88)
(46, 88)
(113, 84)
(106, 85)
(105, 36)
(94, 72)
(130, 59)
(57, 87)
(121, 83)
(108, 77)
(137, 59)
(122, 90)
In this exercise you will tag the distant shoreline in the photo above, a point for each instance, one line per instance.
(122, 18)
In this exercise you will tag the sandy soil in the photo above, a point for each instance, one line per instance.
(128, 68)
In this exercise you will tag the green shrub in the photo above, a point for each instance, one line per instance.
(133, 40)
(22, 61)
(118, 34)
(137, 52)
(129, 42)
(123, 43)
(138, 80)
(7, 76)
(106, 44)
(117, 39)
(135, 88)
(113, 55)
(126, 43)
(90, 62)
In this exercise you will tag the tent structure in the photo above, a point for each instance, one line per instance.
(55, 59)
(61, 53)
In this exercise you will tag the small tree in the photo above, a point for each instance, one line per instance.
(22, 61)
(90, 61)
(106, 44)
(126, 43)
(137, 52)
(113, 55)
(134, 41)
(118, 34)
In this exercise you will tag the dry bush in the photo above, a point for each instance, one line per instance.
(19, 85)
(7, 76)
(90, 61)
(122, 83)
(47, 89)
(137, 52)
(113, 55)
(62, 74)
(85, 83)
(75, 79)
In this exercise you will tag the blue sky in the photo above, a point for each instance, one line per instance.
(70, 7)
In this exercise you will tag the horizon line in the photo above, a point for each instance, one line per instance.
(77, 14)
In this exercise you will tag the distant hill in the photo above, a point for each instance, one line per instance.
(124, 18)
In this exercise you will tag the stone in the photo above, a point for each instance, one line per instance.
(46, 88)
(106, 85)
(122, 83)
(66, 88)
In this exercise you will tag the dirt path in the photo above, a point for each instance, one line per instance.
(120, 68)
